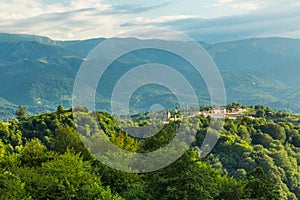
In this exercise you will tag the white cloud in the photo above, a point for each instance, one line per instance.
(224, 2)
(79, 24)
(81, 4)
(19, 9)
(246, 6)
(81, 19)
(77, 19)
(238, 5)
(264, 22)
(158, 20)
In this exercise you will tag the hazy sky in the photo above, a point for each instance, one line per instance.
(208, 20)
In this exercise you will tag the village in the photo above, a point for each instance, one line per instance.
(217, 112)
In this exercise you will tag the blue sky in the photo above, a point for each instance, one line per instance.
(207, 20)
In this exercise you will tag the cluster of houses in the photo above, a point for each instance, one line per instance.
(216, 112)
(223, 113)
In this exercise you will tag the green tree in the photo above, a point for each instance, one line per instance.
(34, 153)
(185, 179)
(274, 130)
(67, 138)
(2, 150)
(258, 186)
(75, 179)
(21, 113)
(60, 109)
(260, 113)
(11, 187)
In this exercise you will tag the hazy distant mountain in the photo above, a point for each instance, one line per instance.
(15, 38)
(278, 58)
(39, 73)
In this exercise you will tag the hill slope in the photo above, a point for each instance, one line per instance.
(39, 73)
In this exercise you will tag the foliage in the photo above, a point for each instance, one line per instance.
(44, 157)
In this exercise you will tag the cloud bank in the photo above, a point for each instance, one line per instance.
(81, 19)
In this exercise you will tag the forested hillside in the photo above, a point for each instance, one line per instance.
(256, 157)
(39, 72)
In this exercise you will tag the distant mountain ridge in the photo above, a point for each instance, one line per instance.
(39, 72)
(279, 58)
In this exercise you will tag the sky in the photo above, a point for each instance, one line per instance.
(211, 21)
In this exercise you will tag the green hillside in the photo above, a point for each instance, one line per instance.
(256, 157)
(39, 73)
(275, 57)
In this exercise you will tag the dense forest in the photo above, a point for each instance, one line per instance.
(257, 156)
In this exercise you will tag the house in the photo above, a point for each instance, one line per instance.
(219, 111)
(173, 118)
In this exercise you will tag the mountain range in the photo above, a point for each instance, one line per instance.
(39, 73)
